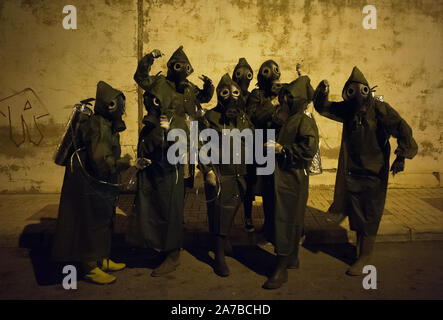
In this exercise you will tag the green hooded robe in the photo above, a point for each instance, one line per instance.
(157, 220)
(87, 207)
(366, 153)
(299, 138)
(186, 96)
(261, 108)
(224, 200)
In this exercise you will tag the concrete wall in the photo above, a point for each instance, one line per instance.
(402, 56)
(62, 67)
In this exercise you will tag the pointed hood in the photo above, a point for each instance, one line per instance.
(356, 76)
(179, 56)
(161, 89)
(301, 89)
(301, 93)
(242, 63)
(228, 105)
(103, 97)
(272, 71)
(226, 81)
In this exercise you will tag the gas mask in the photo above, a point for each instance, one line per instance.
(115, 110)
(288, 106)
(228, 97)
(242, 76)
(179, 71)
(152, 105)
(269, 76)
(358, 94)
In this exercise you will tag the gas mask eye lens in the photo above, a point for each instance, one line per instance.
(266, 72)
(235, 93)
(188, 68)
(350, 92)
(112, 106)
(224, 93)
(156, 102)
(238, 74)
(177, 66)
(276, 70)
(365, 90)
(249, 76)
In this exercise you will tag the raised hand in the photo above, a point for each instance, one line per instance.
(156, 53)
(323, 87)
(205, 79)
(299, 68)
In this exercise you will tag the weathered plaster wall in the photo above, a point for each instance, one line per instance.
(403, 57)
(62, 67)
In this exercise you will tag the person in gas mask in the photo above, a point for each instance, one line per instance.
(157, 221)
(90, 189)
(261, 108)
(225, 184)
(243, 75)
(186, 96)
(295, 148)
(367, 126)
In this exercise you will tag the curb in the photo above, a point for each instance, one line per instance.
(198, 236)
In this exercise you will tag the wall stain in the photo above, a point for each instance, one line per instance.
(427, 149)
(330, 153)
(41, 11)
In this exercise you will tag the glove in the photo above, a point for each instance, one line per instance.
(323, 87)
(164, 122)
(206, 80)
(272, 144)
(156, 53)
(142, 163)
(398, 165)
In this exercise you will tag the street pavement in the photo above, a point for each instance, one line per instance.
(408, 254)
(410, 215)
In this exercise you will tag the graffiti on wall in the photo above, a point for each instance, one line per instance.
(21, 113)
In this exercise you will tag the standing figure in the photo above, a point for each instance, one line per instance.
(261, 107)
(186, 96)
(295, 148)
(157, 221)
(367, 126)
(90, 189)
(225, 184)
(243, 75)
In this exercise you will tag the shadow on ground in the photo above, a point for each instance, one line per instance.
(330, 239)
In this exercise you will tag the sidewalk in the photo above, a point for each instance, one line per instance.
(28, 220)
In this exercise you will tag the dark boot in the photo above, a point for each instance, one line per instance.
(280, 274)
(294, 262)
(228, 248)
(357, 246)
(366, 247)
(220, 266)
(170, 264)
